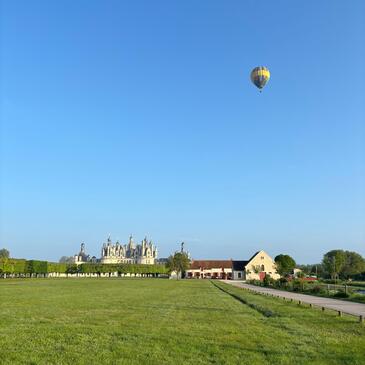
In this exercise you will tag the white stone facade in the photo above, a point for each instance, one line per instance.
(144, 253)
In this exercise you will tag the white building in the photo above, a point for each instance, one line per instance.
(144, 253)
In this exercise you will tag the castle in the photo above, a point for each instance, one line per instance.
(144, 253)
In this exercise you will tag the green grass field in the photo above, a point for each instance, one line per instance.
(157, 321)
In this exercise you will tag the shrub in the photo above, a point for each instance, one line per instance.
(283, 280)
(299, 285)
(341, 294)
(268, 280)
(317, 289)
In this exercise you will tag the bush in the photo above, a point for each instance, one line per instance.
(299, 285)
(341, 294)
(268, 280)
(317, 289)
(283, 281)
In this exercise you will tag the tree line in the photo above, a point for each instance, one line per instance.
(336, 264)
(21, 267)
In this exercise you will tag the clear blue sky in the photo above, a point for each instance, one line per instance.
(139, 117)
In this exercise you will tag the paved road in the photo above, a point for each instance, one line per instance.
(356, 309)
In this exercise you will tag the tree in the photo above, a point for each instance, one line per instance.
(4, 253)
(179, 262)
(66, 260)
(284, 264)
(334, 262)
(355, 264)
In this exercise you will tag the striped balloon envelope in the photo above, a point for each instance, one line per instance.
(260, 76)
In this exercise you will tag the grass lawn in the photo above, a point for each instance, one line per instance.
(156, 321)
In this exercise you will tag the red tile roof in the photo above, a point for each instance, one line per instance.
(210, 264)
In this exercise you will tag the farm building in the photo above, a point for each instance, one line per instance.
(257, 267)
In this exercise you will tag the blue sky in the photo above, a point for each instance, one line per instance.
(139, 117)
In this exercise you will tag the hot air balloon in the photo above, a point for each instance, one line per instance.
(260, 76)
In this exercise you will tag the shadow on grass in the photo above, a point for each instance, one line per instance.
(264, 311)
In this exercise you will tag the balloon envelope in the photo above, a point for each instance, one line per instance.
(260, 76)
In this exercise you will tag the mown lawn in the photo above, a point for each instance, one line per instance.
(157, 321)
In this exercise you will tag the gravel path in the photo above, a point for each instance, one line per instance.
(356, 309)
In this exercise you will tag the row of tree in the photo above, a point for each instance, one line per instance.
(29, 267)
(336, 264)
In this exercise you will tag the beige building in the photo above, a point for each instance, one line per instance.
(257, 267)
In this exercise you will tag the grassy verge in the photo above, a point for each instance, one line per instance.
(321, 291)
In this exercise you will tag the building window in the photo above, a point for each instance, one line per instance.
(262, 258)
(262, 268)
(239, 275)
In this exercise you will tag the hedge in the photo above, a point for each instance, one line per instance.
(13, 266)
(21, 266)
